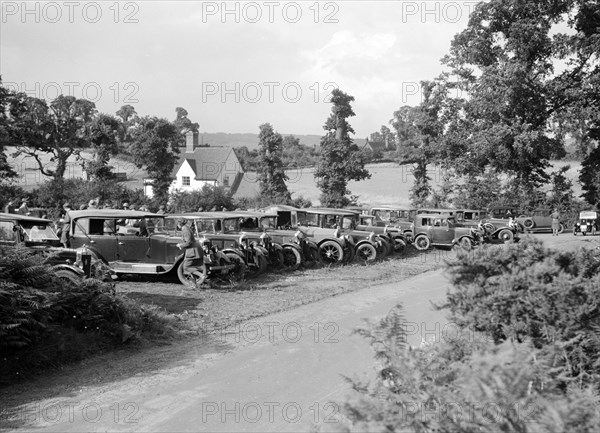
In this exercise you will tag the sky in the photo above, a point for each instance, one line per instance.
(232, 65)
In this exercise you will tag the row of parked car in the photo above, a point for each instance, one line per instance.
(242, 244)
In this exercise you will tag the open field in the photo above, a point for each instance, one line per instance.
(389, 183)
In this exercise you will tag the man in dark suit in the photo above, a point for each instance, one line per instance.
(193, 260)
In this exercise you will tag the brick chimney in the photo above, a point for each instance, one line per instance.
(191, 141)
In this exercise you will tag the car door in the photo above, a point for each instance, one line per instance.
(8, 234)
(95, 233)
(442, 233)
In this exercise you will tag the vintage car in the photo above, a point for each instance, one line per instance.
(224, 230)
(587, 223)
(131, 242)
(368, 245)
(499, 217)
(293, 247)
(538, 221)
(334, 248)
(395, 216)
(393, 235)
(442, 230)
(36, 234)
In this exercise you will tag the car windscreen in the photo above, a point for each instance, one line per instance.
(268, 223)
(38, 232)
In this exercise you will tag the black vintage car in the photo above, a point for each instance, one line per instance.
(143, 243)
(36, 234)
(587, 223)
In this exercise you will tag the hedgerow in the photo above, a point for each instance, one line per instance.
(47, 322)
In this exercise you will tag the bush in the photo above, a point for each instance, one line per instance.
(528, 292)
(464, 385)
(45, 322)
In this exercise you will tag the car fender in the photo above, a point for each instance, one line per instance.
(291, 245)
(366, 241)
(337, 240)
(234, 251)
(71, 268)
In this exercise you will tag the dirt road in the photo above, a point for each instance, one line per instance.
(282, 372)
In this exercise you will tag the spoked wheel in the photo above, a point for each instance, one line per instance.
(188, 280)
(311, 258)
(330, 252)
(466, 244)
(68, 276)
(561, 228)
(385, 248)
(399, 245)
(506, 236)
(422, 243)
(366, 252)
(260, 267)
(291, 258)
(277, 259)
(237, 273)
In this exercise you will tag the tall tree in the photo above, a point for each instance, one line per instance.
(590, 178)
(128, 119)
(6, 171)
(271, 172)
(155, 146)
(104, 131)
(505, 61)
(182, 123)
(60, 130)
(419, 130)
(341, 160)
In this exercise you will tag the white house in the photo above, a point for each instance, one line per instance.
(205, 165)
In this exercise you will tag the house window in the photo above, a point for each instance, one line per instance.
(226, 180)
(185, 180)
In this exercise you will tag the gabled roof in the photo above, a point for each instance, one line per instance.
(206, 162)
(376, 145)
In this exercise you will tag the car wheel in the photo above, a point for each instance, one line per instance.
(489, 228)
(311, 259)
(506, 236)
(385, 249)
(291, 258)
(349, 253)
(528, 223)
(466, 244)
(68, 276)
(408, 236)
(561, 228)
(187, 279)
(277, 259)
(422, 243)
(366, 252)
(260, 268)
(237, 273)
(399, 245)
(330, 252)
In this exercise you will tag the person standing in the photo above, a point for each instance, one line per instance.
(23, 209)
(10, 207)
(555, 222)
(193, 260)
(64, 237)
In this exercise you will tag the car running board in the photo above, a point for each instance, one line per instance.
(139, 268)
